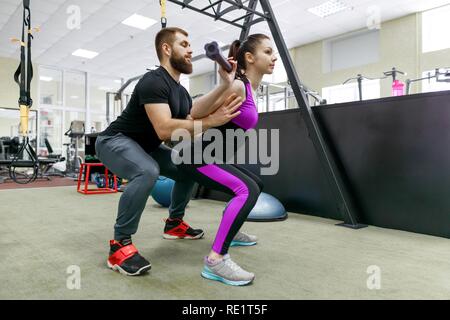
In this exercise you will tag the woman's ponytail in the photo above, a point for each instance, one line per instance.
(234, 49)
(234, 53)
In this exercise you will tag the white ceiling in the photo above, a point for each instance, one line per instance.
(125, 51)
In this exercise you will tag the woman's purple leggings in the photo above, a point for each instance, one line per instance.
(244, 185)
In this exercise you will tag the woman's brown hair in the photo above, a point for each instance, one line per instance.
(238, 50)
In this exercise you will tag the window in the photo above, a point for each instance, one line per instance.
(50, 86)
(349, 92)
(10, 123)
(210, 82)
(350, 51)
(435, 27)
(99, 86)
(62, 97)
(75, 95)
(432, 85)
(184, 81)
(50, 126)
(98, 122)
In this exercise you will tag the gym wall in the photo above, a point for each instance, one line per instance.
(397, 49)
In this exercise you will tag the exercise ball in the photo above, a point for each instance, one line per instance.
(162, 191)
(267, 208)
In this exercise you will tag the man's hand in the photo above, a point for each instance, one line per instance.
(226, 112)
(227, 78)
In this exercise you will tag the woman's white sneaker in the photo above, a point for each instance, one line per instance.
(226, 271)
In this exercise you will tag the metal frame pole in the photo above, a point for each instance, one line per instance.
(108, 120)
(360, 79)
(248, 20)
(285, 98)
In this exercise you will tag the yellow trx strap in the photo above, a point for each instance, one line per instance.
(163, 14)
(23, 76)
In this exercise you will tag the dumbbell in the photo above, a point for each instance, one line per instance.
(213, 52)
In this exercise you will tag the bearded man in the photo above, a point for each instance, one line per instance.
(131, 147)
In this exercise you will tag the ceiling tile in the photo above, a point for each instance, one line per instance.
(124, 50)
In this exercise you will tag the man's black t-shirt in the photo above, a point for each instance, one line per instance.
(156, 86)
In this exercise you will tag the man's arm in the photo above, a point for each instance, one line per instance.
(161, 118)
(205, 105)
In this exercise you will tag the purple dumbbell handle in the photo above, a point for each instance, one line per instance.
(213, 52)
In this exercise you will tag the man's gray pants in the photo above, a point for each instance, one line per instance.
(127, 159)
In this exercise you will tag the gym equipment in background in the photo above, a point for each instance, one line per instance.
(73, 160)
(100, 180)
(24, 166)
(162, 191)
(359, 78)
(440, 74)
(267, 208)
(398, 87)
(393, 73)
(317, 99)
(9, 146)
(117, 101)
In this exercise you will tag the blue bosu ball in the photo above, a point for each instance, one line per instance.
(267, 208)
(162, 191)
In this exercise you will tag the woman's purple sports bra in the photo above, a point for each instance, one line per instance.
(249, 112)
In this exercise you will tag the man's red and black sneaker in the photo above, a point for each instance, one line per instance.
(178, 229)
(125, 258)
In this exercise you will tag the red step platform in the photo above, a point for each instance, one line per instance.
(86, 190)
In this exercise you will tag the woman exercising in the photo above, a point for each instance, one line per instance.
(255, 57)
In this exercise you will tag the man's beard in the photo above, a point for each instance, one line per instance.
(180, 64)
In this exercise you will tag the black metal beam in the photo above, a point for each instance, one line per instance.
(212, 6)
(243, 17)
(205, 13)
(248, 21)
(239, 5)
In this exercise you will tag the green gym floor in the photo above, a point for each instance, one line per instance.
(43, 231)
